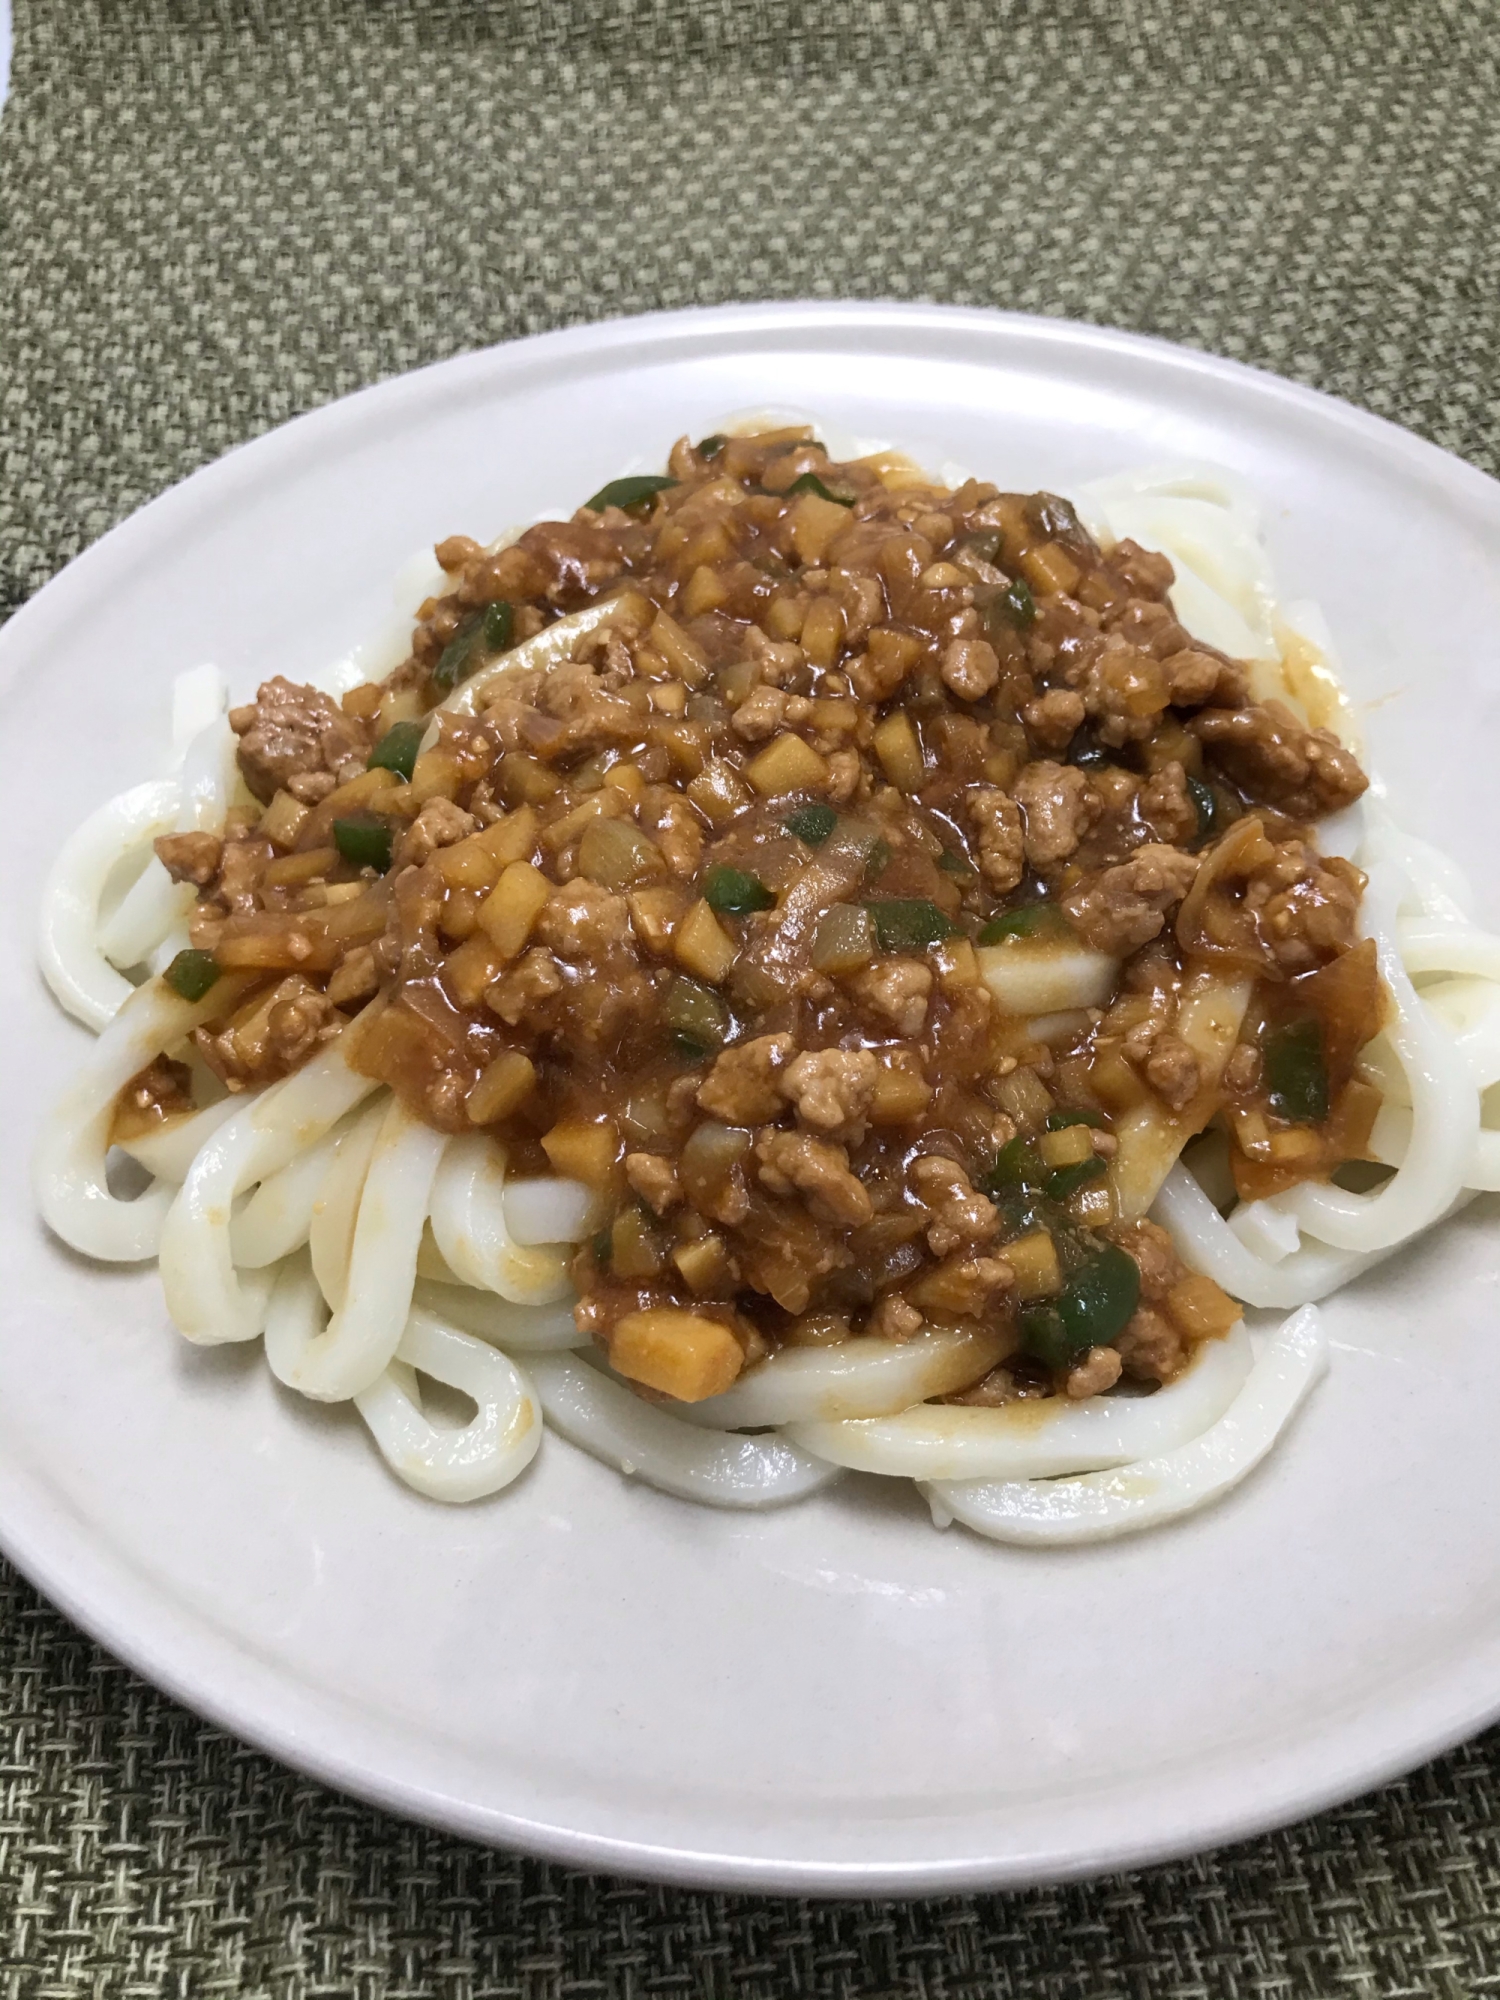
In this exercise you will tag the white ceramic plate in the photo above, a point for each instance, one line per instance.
(837, 1697)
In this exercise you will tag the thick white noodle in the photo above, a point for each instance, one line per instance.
(277, 1218)
(858, 1378)
(468, 1220)
(518, 1329)
(1390, 1142)
(154, 905)
(1469, 1009)
(206, 1297)
(1208, 1243)
(167, 1150)
(1435, 884)
(335, 1210)
(494, 1448)
(539, 1212)
(1102, 1505)
(1042, 1439)
(303, 1212)
(81, 977)
(713, 1467)
(1432, 947)
(68, 1164)
(361, 1337)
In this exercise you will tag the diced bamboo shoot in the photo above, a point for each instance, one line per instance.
(677, 1353)
(787, 765)
(583, 1149)
(502, 1086)
(511, 908)
(702, 946)
(899, 749)
(1034, 1260)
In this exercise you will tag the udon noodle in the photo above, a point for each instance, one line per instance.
(373, 1253)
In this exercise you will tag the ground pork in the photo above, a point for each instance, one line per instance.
(1124, 907)
(654, 1180)
(1058, 805)
(1054, 718)
(190, 857)
(894, 1318)
(897, 990)
(522, 995)
(1146, 572)
(970, 667)
(1002, 845)
(1151, 1349)
(1172, 1071)
(1165, 803)
(1124, 691)
(1195, 677)
(1097, 1371)
(440, 823)
(1275, 758)
(583, 921)
(744, 1086)
(816, 1169)
(962, 1218)
(831, 1089)
(293, 738)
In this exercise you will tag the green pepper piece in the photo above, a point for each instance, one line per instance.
(809, 482)
(986, 543)
(364, 841)
(1059, 1121)
(1017, 1165)
(1296, 1074)
(397, 749)
(460, 656)
(1019, 605)
(710, 447)
(1031, 920)
(696, 1016)
(734, 893)
(877, 860)
(909, 923)
(1068, 1180)
(1206, 806)
(811, 824)
(1056, 518)
(499, 622)
(191, 974)
(488, 631)
(954, 864)
(1087, 754)
(628, 493)
(1005, 605)
(1092, 1310)
(1022, 1210)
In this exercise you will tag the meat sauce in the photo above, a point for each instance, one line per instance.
(723, 915)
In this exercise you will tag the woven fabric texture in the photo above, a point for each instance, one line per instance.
(213, 216)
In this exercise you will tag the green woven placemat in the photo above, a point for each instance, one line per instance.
(214, 216)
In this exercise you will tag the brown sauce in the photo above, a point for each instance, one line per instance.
(704, 916)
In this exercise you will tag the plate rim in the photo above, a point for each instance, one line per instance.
(95, 1587)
